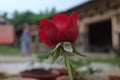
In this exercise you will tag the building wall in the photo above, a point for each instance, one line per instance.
(116, 31)
(113, 13)
(83, 27)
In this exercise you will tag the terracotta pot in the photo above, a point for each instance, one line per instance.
(63, 71)
(19, 79)
(114, 77)
(51, 76)
(64, 78)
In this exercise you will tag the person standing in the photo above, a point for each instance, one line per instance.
(26, 40)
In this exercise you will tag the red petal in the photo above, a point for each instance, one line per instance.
(60, 20)
(74, 18)
(44, 39)
(48, 33)
(71, 30)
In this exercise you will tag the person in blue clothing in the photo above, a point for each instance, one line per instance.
(26, 40)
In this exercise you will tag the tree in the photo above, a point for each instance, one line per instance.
(19, 19)
(4, 15)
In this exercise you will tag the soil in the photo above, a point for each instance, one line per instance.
(40, 74)
(39, 71)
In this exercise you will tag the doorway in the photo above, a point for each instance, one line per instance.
(100, 36)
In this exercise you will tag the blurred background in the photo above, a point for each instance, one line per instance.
(99, 36)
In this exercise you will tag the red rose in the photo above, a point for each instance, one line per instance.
(61, 28)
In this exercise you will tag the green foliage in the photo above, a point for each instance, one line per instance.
(19, 19)
(8, 50)
(83, 75)
(4, 15)
(114, 61)
(3, 75)
(13, 75)
(44, 56)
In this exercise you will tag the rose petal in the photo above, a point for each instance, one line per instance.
(50, 31)
(71, 30)
(44, 38)
(60, 21)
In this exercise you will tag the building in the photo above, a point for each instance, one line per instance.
(6, 32)
(99, 24)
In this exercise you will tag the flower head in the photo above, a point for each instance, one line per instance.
(62, 28)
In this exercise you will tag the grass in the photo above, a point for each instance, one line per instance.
(8, 50)
(114, 61)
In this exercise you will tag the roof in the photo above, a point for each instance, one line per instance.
(2, 20)
(78, 6)
(93, 7)
(71, 9)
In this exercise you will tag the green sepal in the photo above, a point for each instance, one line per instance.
(67, 46)
(44, 55)
(77, 52)
(57, 47)
(56, 55)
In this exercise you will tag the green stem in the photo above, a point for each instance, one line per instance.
(67, 64)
